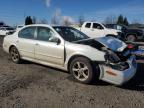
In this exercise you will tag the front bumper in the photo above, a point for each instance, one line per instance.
(118, 77)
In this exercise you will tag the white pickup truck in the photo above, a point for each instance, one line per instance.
(94, 29)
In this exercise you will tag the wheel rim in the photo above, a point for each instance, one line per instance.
(131, 38)
(80, 71)
(14, 54)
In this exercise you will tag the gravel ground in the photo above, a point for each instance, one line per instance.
(30, 85)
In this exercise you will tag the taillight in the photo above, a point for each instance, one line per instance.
(130, 46)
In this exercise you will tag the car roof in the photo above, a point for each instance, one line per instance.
(92, 22)
(37, 25)
(45, 25)
(60, 26)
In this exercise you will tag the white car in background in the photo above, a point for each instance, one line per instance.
(19, 27)
(6, 31)
(95, 29)
(67, 48)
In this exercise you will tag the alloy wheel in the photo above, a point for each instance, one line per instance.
(14, 54)
(80, 71)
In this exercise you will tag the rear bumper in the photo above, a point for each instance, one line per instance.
(117, 77)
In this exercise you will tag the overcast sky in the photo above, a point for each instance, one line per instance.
(14, 11)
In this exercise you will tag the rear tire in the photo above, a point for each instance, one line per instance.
(14, 54)
(82, 70)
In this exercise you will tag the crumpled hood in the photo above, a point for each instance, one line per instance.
(109, 42)
(113, 43)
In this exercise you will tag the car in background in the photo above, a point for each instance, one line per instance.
(95, 29)
(19, 27)
(106, 58)
(6, 30)
(141, 27)
(128, 34)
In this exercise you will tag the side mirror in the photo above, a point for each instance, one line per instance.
(58, 41)
(55, 39)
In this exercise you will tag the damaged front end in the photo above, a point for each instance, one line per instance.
(119, 67)
(118, 73)
(116, 60)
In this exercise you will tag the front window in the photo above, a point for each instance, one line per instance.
(45, 34)
(70, 34)
(119, 27)
(97, 26)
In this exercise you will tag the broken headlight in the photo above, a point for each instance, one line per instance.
(111, 57)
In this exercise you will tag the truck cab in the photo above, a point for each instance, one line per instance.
(94, 29)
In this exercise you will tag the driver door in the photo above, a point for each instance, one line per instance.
(97, 30)
(47, 50)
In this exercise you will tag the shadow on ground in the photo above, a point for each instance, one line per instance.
(137, 83)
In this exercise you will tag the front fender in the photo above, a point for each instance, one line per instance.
(93, 55)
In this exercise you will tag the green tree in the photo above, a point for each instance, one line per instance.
(125, 22)
(28, 20)
(120, 20)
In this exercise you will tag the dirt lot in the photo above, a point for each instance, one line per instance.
(30, 85)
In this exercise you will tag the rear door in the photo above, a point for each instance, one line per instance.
(26, 42)
(47, 50)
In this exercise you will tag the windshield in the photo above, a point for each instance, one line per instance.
(112, 43)
(70, 34)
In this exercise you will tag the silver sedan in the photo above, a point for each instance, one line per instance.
(66, 48)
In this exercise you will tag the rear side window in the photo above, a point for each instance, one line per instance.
(88, 25)
(27, 33)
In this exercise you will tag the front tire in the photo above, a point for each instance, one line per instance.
(82, 70)
(14, 54)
